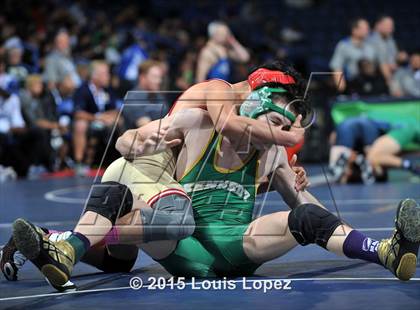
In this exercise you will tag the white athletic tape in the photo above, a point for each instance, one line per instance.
(60, 236)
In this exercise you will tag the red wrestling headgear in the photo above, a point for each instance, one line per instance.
(262, 76)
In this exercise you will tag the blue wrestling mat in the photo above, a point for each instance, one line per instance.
(305, 278)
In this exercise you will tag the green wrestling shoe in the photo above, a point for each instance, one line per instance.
(399, 253)
(54, 259)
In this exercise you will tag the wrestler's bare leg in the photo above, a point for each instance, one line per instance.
(384, 154)
(95, 226)
(130, 232)
(269, 237)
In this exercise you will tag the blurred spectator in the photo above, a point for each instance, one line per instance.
(406, 81)
(83, 71)
(15, 66)
(7, 81)
(20, 147)
(402, 59)
(214, 58)
(349, 51)
(369, 81)
(62, 97)
(95, 114)
(59, 62)
(32, 105)
(385, 46)
(131, 58)
(59, 103)
(185, 77)
(151, 104)
(38, 114)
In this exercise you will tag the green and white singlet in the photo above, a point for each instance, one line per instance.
(223, 202)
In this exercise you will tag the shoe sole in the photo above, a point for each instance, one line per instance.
(67, 287)
(54, 275)
(407, 267)
(26, 238)
(409, 223)
(409, 220)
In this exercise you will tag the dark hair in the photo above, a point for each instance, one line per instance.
(294, 91)
(354, 23)
(414, 52)
(381, 18)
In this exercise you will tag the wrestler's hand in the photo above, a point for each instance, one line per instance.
(297, 131)
(301, 181)
(157, 143)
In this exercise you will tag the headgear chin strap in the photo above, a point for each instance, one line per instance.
(262, 76)
(259, 102)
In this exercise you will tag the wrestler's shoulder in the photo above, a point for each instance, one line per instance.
(218, 84)
(189, 117)
(213, 84)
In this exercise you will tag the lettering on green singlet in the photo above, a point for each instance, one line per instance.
(221, 194)
(233, 187)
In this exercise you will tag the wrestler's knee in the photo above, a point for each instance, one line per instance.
(111, 200)
(310, 223)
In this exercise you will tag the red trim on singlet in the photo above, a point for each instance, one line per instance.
(176, 101)
(166, 192)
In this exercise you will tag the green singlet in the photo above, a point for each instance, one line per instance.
(222, 201)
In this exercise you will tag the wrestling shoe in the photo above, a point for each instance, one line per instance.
(54, 259)
(399, 253)
(337, 170)
(366, 169)
(66, 287)
(11, 260)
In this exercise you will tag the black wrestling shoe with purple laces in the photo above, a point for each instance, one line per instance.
(11, 260)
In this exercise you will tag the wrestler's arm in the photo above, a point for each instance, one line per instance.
(158, 135)
(220, 101)
(127, 144)
(283, 180)
(301, 181)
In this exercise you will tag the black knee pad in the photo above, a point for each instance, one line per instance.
(111, 200)
(111, 264)
(310, 223)
(171, 218)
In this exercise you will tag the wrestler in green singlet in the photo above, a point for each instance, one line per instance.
(222, 201)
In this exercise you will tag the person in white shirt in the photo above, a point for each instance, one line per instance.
(20, 147)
